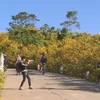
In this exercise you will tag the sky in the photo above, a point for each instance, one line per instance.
(53, 12)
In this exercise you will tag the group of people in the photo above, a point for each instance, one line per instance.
(21, 68)
(21, 65)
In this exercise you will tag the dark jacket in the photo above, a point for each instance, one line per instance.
(98, 65)
(22, 66)
(5, 60)
(43, 59)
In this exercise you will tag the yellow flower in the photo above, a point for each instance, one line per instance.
(1, 85)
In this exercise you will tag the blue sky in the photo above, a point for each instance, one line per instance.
(53, 12)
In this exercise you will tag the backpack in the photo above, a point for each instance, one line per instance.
(98, 65)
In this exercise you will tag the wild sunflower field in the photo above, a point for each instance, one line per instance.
(76, 52)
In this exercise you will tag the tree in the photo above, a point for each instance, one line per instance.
(63, 33)
(22, 20)
(45, 28)
(71, 20)
(53, 30)
(26, 36)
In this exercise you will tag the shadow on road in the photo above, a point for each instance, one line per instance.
(68, 83)
(10, 89)
(64, 83)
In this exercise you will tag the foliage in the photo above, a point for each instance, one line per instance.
(2, 79)
(76, 52)
(63, 34)
(71, 20)
(22, 20)
(26, 36)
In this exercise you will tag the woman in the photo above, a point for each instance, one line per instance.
(18, 59)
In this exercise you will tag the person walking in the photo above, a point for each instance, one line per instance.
(23, 68)
(18, 59)
(43, 60)
(5, 61)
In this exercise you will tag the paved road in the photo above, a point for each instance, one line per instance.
(49, 87)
